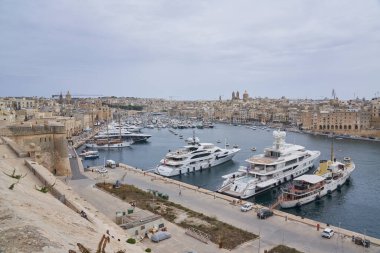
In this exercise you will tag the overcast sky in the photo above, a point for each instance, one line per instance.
(185, 49)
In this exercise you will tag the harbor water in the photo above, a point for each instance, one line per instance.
(355, 207)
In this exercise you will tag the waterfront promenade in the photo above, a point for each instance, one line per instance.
(283, 228)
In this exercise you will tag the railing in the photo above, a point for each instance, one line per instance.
(197, 234)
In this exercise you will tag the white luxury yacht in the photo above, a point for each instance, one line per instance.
(115, 131)
(278, 164)
(193, 157)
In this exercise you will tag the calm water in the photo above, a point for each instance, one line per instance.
(356, 207)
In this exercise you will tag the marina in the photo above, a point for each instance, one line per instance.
(362, 192)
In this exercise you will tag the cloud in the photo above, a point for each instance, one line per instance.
(189, 49)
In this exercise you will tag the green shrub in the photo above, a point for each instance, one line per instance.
(131, 241)
(148, 250)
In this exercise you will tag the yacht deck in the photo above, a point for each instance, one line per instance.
(262, 160)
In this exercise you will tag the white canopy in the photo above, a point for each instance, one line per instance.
(312, 179)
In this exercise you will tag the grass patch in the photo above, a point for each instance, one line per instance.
(283, 249)
(220, 233)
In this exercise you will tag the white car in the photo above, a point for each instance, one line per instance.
(246, 207)
(327, 233)
(102, 170)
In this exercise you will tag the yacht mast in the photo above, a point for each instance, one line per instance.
(332, 148)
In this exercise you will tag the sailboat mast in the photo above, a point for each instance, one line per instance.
(119, 127)
(332, 148)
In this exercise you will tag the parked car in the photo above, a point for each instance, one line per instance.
(360, 241)
(264, 213)
(327, 233)
(111, 164)
(102, 170)
(246, 207)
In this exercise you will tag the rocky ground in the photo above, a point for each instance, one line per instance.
(32, 221)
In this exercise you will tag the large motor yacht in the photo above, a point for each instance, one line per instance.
(193, 157)
(280, 163)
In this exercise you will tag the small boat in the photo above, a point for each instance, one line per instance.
(88, 155)
(235, 146)
(218, 141)
(253, 149)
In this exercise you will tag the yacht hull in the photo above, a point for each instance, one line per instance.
(167, 171)
(327, 189)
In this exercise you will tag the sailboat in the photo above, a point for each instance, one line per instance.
(108, 143)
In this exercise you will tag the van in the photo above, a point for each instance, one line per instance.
(111, 164)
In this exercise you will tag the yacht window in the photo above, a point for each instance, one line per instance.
(216, 151)
(200, 155)
(199, 151)
(259, 166)
(290, 162)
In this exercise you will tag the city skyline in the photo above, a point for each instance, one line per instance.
(190, 50)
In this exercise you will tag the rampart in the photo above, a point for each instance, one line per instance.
(46, 144)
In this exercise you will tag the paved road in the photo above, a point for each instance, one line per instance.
(75, 171)
(273, 231)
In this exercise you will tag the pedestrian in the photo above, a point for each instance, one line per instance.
(179, 193)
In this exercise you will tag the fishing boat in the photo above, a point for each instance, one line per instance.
(280, 163)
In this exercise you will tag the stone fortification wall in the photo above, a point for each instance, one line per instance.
(46, 144)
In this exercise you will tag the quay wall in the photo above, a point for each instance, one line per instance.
(234, 201)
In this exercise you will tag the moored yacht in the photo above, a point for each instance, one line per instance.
(108, 143)
(90, 154)
(329, 176)
(193, 157)
(116, 132)
(278, 164)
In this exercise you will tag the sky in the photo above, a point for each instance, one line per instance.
(190, 50)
